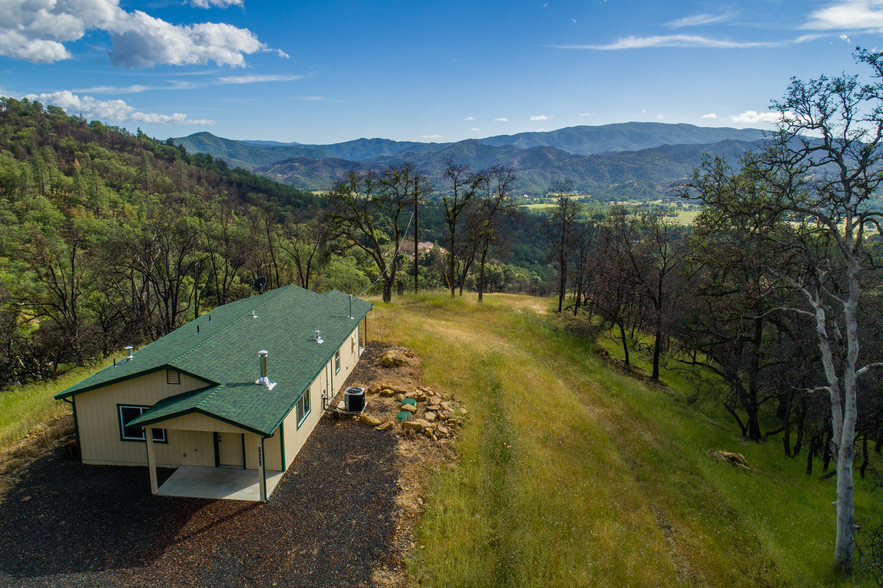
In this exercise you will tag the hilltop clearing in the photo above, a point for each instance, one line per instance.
(571, 472)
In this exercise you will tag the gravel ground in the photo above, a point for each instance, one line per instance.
(330, 522)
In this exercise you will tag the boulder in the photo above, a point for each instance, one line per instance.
(374, 388)
(387, 392)
(410, 408)
(415, 425)
(463, 410)
(442, 431)
(735, 459)
(430, 416)
(434, 407)
(393, 358)
(385, 426)
(369, 420)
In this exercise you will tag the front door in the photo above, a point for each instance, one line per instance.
(231, 450)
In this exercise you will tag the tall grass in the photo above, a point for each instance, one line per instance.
(27, 407)
(571, 473)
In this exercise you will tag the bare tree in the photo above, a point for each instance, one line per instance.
(820, 177)
(493, 206)
(369, 210)
(463, 186)
(561, 229)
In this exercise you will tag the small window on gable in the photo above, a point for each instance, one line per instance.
(127, 414)
(337, 361)
(173, 377)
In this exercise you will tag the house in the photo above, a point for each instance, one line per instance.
(229, 398)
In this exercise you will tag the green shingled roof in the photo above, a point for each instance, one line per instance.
(224, 354)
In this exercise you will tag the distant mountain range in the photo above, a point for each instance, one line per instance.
(610, 162)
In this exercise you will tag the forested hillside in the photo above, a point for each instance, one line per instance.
(110, 239)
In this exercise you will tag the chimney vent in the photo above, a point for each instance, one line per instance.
(264, 380)
(129, 348)
(319, 338)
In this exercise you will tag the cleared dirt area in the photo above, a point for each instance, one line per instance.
(341, 516)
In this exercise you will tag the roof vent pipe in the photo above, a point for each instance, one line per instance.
(319, 338)
(129, 348)
(264, 380)
(351, 307)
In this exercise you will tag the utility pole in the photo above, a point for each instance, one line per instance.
(416, 248)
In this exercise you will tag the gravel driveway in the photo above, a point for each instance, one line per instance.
(330, 523)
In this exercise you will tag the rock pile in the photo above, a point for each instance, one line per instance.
(415, 411)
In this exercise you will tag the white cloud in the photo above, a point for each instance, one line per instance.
(430, 136)
(215, 3)
(469, 118)
(699, 20)
(36, 30)
(539, 117)
(586, 114)
(848, 14)
(501, 119)
(688, 41)
(251, 79)
(474, 129)
(754, 117)
(112, 110)
(709, 115)
(660, 116)
(845, 38)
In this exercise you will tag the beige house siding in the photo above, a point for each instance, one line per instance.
(296, 437)
(98, 423)
(189, 437)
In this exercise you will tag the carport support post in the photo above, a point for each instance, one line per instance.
(151, 460)
(262, 479)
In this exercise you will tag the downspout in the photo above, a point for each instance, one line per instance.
(262, 466)
(282, 443)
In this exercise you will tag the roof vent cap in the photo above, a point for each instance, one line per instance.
(319, 338)
(129, 349)
(264, 380)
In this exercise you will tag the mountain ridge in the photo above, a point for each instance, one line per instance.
(611, 161)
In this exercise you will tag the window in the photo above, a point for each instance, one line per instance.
(173, 377)
(337, 361)
(302, 406)
(127, 414)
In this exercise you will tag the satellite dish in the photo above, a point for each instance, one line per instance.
(259, 284)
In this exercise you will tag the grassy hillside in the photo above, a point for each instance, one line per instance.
(571, 473)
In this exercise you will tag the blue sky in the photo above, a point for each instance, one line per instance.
(331, 70)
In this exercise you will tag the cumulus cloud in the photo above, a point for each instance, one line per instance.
(430, 136)
(688, 41)
(215, 3)
(112, 110)
(36, 30)
(475, 129)
(586, 114)
(754, 117)
(848, 14)
(709, 115)
(501, 119)
(469, 118)
(539, 117)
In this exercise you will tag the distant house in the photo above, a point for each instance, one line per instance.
(239, 388)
